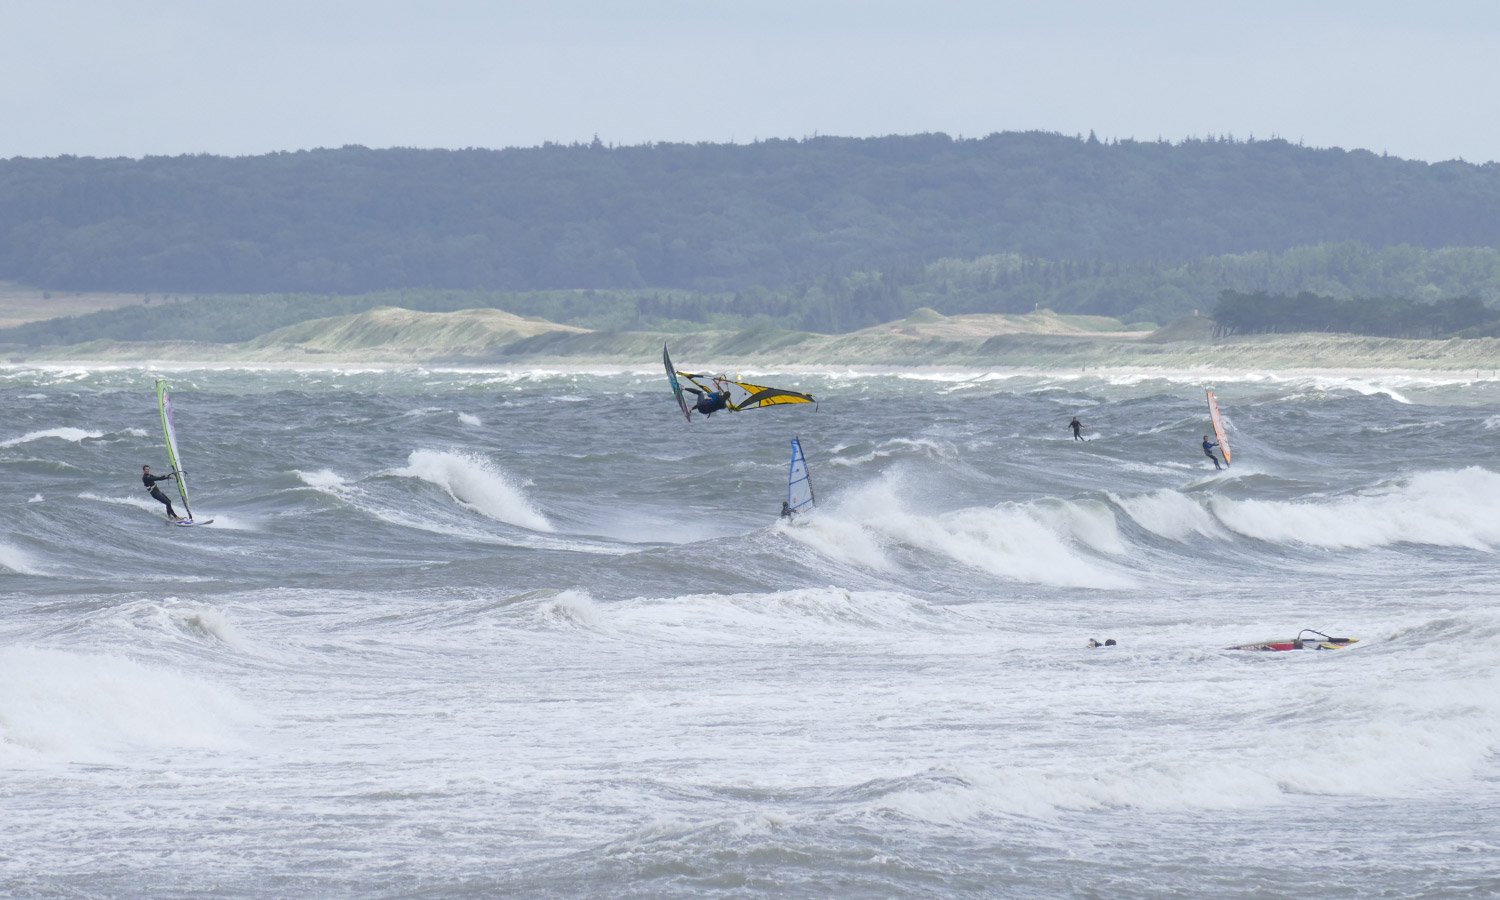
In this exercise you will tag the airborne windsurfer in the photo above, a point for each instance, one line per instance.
(150, 481)
(1208, 451)
(709, 402)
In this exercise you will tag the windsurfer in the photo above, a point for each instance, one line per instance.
(1208, 451)
(1077, 427)
(150, 481)
(786, 510)
(709, 402)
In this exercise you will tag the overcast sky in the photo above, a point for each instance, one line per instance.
(130, 78)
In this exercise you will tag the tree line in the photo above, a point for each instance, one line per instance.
(1263, 313)
(796, 217)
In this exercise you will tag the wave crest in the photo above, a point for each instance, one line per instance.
(67, 434)
(476, 484)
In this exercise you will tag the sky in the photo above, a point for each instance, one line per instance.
(167, 77)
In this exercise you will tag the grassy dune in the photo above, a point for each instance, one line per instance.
(1040, 340)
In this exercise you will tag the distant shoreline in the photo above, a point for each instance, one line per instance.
(936, 371)
(486, 340)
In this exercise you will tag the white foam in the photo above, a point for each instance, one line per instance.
(136, 500)
(36, 498)
(18, 561)
(571, 608)
(67, 434)
(61, 706)
(173, 615)
(894, 446)
(325, 480)
(802, 614)
(1170, 514)
(1036, 543)
(470, 420)
(1446, 509)
(1412, 739)
(837, 537)
(1013, 541)
(476, 484)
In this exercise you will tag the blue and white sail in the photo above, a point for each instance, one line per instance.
(799, 490)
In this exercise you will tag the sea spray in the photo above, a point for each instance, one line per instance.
(477, 484)
(60, 705)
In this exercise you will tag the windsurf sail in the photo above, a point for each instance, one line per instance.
(743, 394)
(799, 490)
(682, 403)
(1306, 639)
(169, 431)
(1218, 420)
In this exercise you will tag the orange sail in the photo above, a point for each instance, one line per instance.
(1218, 420)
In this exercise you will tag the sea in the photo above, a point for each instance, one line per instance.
(479, 632)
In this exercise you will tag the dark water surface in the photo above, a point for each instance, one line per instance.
(490, 632)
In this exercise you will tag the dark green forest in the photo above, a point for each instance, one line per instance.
(1262, 313)
(823, 234)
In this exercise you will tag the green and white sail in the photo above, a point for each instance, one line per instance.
(164, 403)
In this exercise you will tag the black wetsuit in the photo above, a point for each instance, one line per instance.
(1208, 451)
(1077, 426)
(710, 402)
(150, 482)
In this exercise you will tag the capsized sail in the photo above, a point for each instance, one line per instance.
(1218, 420)
(676, 386)
(799, 490)
(743, 394)
(169, 431)
(1306, 639)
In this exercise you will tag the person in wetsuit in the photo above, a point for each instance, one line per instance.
(1077, 426)
(150, 481)
(1208, 451)
(709, 402)
(786, 510)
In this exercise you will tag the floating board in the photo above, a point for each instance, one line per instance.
(799, 490)
(1218, 420)
(676, 387)
(1307, 639)
(188, 523)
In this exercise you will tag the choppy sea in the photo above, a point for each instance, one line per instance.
(491, 632)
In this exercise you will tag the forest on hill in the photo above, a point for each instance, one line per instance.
(708, 217)
(825, 235)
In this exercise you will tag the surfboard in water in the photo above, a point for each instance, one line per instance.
(1218, 420)
(169, 431)
(799, 491)
(676, 387)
